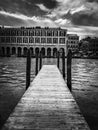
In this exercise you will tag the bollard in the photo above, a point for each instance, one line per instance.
(40, 64)
(69, 60)
(58, 60)
(63, 64)
(28, 69)
(36, 65)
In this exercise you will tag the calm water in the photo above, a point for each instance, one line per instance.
(84, 82)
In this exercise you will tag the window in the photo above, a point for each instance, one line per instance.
(55, 33)
(62, 40)
(37, 40)
(2, 33)
(13, 32)
(7, 39)
(49, 40)
(2, 39)
(7, 32)
(43, 40)
(37, 33)
(55, 40)
(19, 40)
(13, 39)
(43, 33)
(19, 33)
(49, 33)
(31, 33)
(25, 33)
(31, 40)
(25, 40)
(61, 33)
(77, 38)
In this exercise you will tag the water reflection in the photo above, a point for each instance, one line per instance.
(85, 72)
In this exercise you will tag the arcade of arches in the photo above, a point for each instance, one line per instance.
(22, 51)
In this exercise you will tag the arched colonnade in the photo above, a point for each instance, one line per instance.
(22, 51)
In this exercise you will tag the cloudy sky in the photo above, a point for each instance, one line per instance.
(78, 16)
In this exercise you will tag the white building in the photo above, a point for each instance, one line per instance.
(72, 42)
(16, 41)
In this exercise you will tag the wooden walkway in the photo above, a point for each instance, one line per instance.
(47, 105)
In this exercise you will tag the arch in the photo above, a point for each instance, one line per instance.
(3, 51)
(48, 52)
(19, 51)
(43, 51)
(25, 51)
(61, 50)
(54, 52)
(31, 51)
(13, 51)
(8, 51)
(36, 51)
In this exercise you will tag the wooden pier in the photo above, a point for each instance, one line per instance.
(47, 105)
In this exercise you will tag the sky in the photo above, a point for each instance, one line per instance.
(78, 16)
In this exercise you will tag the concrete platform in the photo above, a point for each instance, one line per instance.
(47, 105)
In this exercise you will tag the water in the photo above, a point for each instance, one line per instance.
(84, 84)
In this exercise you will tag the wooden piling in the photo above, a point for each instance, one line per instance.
(69, 61)
(58, 60)
(28, 69)
(40, 63)
(63, 64)
(36, 65)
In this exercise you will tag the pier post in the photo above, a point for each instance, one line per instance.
(40, 63)
(63, 64)
(58, 60)
(28, 69)
(69, 61)
(36, 65)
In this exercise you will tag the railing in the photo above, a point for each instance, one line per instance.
(38, 66)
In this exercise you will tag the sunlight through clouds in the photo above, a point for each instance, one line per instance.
(42, 7)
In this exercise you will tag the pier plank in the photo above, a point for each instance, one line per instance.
(47, 105)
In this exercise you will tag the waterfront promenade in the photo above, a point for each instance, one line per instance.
(47, 105)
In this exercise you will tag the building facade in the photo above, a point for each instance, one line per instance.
(16, 41)
(73, 42)
(93, 45)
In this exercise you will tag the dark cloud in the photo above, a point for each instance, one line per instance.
(85, 19)
(92, 1)
(82, 18)
(23, 7)
(27, 7)
(50, 3)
